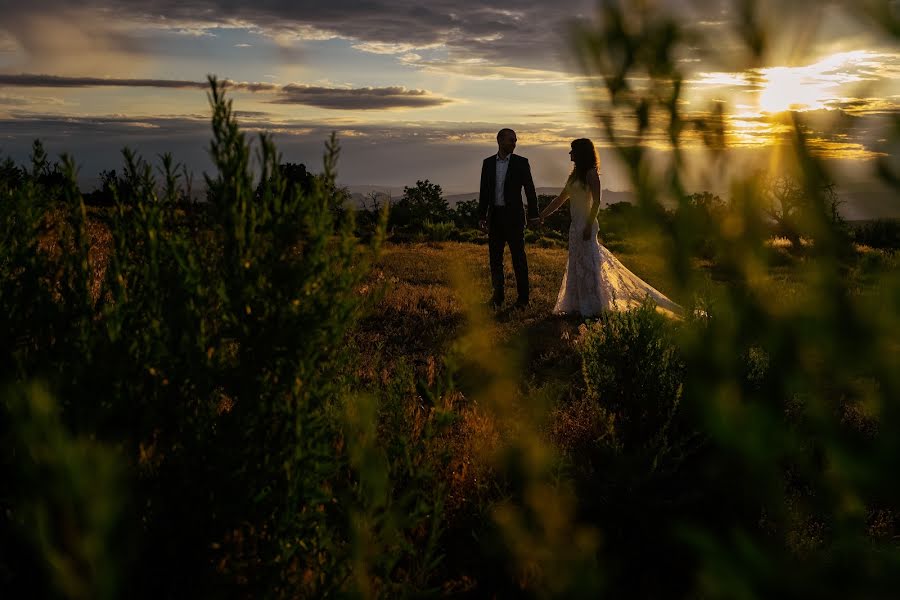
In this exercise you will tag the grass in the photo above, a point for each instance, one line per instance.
(429, 291)
(414, 347)
(423, 310)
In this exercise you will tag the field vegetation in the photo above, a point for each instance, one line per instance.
(258, 396)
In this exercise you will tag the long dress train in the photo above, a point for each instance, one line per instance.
(595, 280)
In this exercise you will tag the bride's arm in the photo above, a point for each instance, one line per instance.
(557, 202)
(593, 180)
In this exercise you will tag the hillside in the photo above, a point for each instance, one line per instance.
(360, 192)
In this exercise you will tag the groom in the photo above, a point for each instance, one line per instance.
(500, 208)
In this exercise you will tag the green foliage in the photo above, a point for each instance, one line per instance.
(632, 368)
(208, 347)
(423, 202)
(791, 207)
(10, 177)
(402, 488)
(63, 532)
(702, 213)
(437, 232)
(465, 214)
(211, 433)
(880, 233)
(559, 220)
(473, 236)
(799, 439)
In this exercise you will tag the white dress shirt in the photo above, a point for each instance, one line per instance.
(502, 167)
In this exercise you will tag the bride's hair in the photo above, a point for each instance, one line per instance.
(585, 159)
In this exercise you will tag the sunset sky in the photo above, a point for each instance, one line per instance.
(415, 90)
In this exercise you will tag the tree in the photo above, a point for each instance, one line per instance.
(44, 172)
(701, 213)
(465, 215)
(294, 176)
(789, 205)
(783, 200)
(11, 177)
(104, 195)
(706, 201)
(424, 201)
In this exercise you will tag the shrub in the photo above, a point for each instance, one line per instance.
(418, 204)
(880, 233)
(632, 368)
(465, 214)
(473, 236)
(211, 354)
(63, 504)
(438, 232)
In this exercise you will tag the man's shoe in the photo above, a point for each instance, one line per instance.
(521, 304)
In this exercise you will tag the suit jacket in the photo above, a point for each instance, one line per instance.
(518, 176)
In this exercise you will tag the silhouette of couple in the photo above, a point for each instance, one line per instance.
(594, 280)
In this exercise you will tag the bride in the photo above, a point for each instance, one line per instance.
(595, 281)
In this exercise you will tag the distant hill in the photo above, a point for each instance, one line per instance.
(868, 200)
(609, 196)
(860, 201)
(360, 192)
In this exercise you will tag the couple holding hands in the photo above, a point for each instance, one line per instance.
(594, 280)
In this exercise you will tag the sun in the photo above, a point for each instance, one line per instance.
(794, 88)
(813, 86)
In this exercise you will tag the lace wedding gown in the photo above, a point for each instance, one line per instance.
(595, 280)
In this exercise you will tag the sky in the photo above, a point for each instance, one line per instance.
(418, 90)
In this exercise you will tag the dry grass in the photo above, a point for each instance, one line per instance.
(429, 294)
(423, 310)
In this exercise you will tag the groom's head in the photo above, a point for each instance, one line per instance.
(506, 140)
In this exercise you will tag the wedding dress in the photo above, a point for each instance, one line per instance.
(595, 280)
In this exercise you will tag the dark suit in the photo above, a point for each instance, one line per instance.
(506, 224)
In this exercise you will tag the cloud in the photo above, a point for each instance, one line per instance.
(63, 38)
(522, 40)
(475, 68)
(865, 106)
(371, 152)
(14, 100)
(56, 81)
(8, 100)
(526, 33)
(358, 98)
(337, 98)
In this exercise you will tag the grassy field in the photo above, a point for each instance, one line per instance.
(509, 466)
(429, 287)
(432, 303)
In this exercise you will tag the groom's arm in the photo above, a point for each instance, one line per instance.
(483, 193)
(530, 193)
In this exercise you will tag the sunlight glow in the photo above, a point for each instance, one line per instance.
(811, 87)
(785, 89)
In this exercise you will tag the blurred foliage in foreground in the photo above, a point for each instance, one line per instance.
(194, 383)
(794, 399)
(199, 427)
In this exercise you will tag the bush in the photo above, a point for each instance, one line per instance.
(63, 534)
(473, 236)
(438, 232)
(419, 204)
(632, 368)
(210, 350)
(880, 233)
(465, 214)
